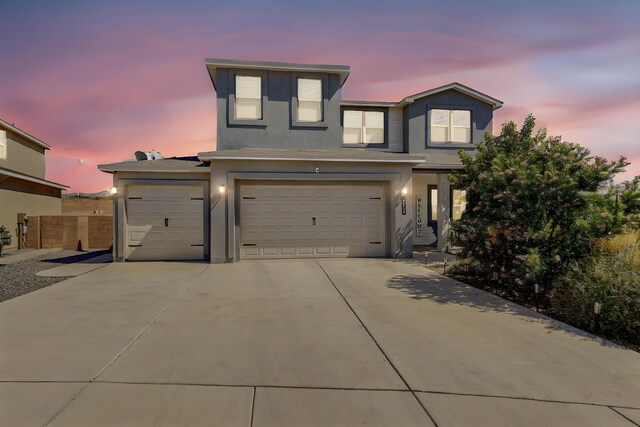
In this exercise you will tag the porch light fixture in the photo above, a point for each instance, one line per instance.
(222, 189)
(405, 191)
(113, 190)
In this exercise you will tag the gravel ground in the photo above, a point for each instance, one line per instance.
(20, 278)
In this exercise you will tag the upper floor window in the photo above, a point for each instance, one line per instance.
(3, 144)
(309, 100)
(450, 125)
(363, 127)
(248, 102)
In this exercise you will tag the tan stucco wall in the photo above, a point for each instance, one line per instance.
(23, 156)
(12, 202)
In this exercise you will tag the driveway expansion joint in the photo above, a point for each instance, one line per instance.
(624, 416)
(424, 408)
(130, 343)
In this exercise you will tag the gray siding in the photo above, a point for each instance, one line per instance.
(415, 121)
(395, 130)
(278, 130)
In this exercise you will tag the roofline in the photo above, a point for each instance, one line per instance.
(351, 103)
(213, 63)
(412, 98)
(207, 157)
(25, 135)
(14, 174)
(441, 166)
(107, 169)
(455, 86)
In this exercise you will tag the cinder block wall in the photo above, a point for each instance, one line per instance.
(65, 231)
(51, 231)
(100, 231)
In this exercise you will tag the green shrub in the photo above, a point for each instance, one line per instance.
(532, 206)
(612, 277)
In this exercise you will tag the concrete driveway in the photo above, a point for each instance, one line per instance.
(340, 342)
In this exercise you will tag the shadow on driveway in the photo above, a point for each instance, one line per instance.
(79, 257)
(442, 290)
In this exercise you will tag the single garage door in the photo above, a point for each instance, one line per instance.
(165, 223)
(305, 221)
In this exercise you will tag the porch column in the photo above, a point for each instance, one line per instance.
(444, 207)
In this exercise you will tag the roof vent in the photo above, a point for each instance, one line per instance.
(149, 155)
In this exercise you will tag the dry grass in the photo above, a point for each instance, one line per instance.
(626, 246)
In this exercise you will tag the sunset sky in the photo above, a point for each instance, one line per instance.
(100, 80)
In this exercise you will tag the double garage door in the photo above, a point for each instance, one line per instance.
(306, 221)
(165, 222)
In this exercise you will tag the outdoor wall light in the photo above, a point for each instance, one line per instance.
(222, 189)
(405, 191)
(113, 190)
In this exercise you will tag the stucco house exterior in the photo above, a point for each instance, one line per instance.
(299, 172)
(23, 187)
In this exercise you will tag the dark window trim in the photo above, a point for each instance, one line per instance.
(385, 144)
(232, 98)
(294, 99)
(451, 144)
(429, 210)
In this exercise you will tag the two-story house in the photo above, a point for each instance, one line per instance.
(23, 187)
(299, 172)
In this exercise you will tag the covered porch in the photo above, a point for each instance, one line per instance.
(436, 204)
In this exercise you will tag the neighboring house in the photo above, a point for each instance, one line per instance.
(298, 172)
(23, 188)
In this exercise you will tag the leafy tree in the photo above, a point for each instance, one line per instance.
(532, 206)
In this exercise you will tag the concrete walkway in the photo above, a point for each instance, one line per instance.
(298, 342)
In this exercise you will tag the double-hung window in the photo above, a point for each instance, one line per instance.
(3, 144)
(363, 127)
(450, 125)
(248, 102)
(310, 100)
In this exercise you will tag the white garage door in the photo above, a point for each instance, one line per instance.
(165, 223)
(299, 221)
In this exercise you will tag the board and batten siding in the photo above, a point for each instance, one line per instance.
(395, 130)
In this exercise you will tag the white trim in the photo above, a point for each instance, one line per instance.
(104, 169)
(306, 159)
(32, 179)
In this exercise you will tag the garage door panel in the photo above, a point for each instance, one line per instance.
(165, 222)
(277, 221)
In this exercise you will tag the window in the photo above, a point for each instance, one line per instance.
(309, 100)
(433, 204)
(248, 102)
(450, 125)
(458, 203)
(3, 144)
(363, 127)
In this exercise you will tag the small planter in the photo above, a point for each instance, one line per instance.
(6, 241)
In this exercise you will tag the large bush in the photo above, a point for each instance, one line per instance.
(532, 206)
(611, 276)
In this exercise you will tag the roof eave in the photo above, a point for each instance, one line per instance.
(33, 179)
(212, 64)
(25, 135)
(208, 157)
(496, 103)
